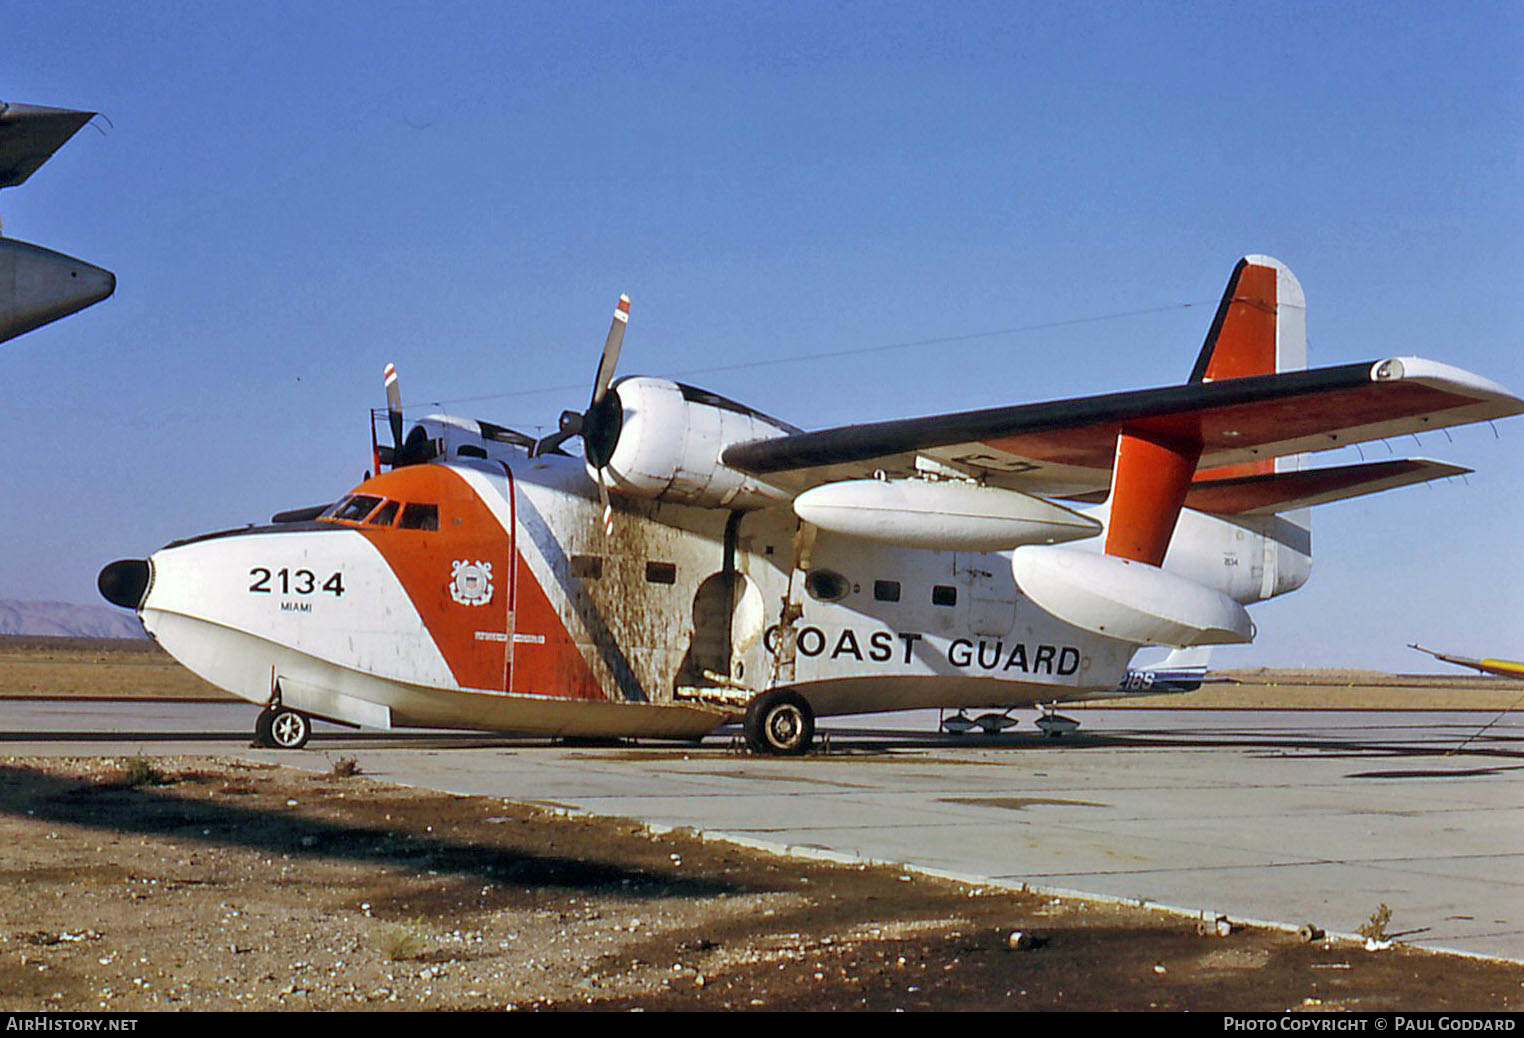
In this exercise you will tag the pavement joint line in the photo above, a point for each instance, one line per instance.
(806, 852)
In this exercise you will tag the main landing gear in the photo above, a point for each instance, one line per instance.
(1054, 724)
(779, 723)
(282, 728)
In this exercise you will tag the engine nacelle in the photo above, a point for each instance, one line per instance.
(669, 439)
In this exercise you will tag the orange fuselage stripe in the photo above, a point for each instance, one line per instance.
(473, 639)
(477, 641)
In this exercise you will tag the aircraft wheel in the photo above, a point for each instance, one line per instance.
(262, 736)
(780, 723)
(289, 730)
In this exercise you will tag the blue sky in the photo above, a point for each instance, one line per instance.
(294, 195)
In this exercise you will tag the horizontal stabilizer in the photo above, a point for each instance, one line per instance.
(1271, 492)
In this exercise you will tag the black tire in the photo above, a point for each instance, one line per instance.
(262, 736)
(289, 729)
(779, 723)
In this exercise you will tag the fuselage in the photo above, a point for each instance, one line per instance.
(482, 590)
(485, 593)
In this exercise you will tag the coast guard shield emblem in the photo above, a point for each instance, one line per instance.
(471, 582)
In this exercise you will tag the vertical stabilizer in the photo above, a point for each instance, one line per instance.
(1260, 328)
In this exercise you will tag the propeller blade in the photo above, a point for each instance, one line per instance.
(610, 351)
(394, 407)
(598, 426)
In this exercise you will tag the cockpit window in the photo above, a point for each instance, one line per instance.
(419, 517)
(355, 508)
(384, 515)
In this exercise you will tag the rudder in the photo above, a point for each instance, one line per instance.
(1260, 327)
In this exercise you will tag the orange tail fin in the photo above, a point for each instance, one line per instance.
(1259, 329)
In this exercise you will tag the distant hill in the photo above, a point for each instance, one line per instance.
(66, 620)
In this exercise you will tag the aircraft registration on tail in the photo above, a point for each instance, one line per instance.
(704, 563)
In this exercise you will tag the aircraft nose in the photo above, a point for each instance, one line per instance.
(124, 582)
(41, 285)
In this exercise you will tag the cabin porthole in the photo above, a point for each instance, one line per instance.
(826, 585)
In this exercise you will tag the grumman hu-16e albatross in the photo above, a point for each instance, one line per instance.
(704, 563)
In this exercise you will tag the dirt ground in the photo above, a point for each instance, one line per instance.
(194, 883)
(197, 883)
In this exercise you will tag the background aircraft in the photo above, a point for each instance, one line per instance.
(38, 285)
(1502, 668)
(704, 562)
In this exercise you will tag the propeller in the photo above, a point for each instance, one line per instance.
(599, 425)
(416, 448)
(388, 455)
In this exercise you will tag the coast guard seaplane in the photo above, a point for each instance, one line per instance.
(703, 563)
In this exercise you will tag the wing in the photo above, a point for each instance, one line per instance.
(1067, 447)
(30, 134)
(1500, 668)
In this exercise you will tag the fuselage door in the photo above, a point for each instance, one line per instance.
(990, 591)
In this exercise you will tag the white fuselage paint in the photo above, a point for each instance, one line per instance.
(258, 585)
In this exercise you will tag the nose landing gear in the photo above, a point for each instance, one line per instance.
(282, 728)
